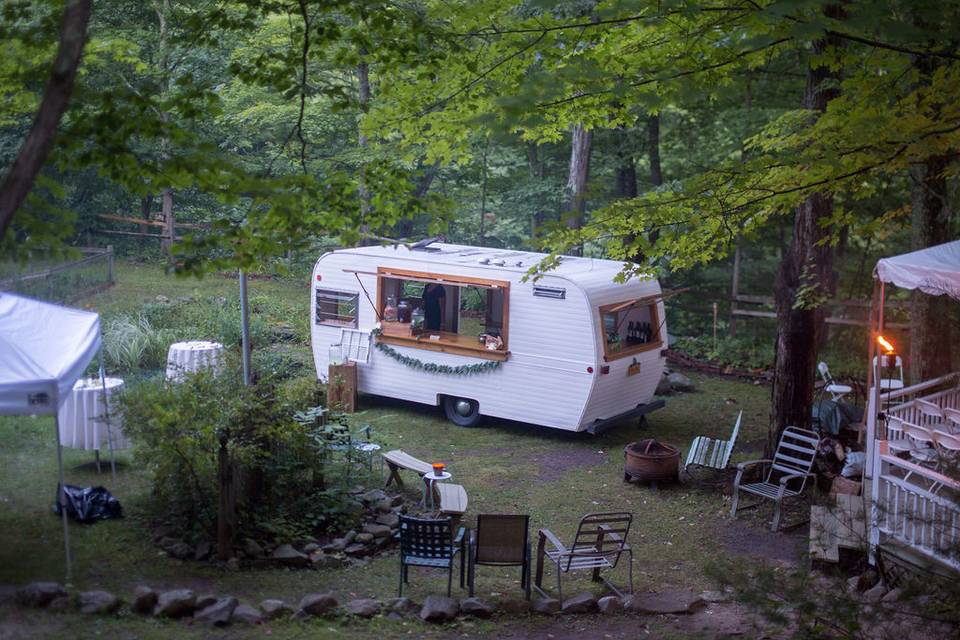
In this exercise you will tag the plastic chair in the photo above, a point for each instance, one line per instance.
(948, 451)
(835, 390)
(952, 417)
(925, 451)
(887, 383)
(429, 543)
(932, 413)
(500, 541)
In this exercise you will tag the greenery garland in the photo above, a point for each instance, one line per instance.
(433, 367)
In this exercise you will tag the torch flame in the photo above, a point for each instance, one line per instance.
(886, 344)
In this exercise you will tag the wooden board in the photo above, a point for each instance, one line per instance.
(342, 387)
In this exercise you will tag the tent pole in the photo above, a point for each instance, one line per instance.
(106, 415)
(61, 495)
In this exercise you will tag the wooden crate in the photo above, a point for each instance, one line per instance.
(342, 387)
(404, 329)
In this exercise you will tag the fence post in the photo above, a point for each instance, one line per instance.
(110, 263)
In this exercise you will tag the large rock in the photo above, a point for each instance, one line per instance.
(335, 546)
(217, 613)
(176, 604)
(357, 550)
(609, 604)
(62, 605)
(378, 530)
(439, 609)
(515, 606)
(403, 606)
(475, 607)
(252, 548)
(286, 555)
(391, 520)
(98, 602)
(144, 600)
(176, 548)
(205, 600)
(663, 386)
(318, 604)
(674, 601)
(364, 538)
(247, 614)
(203, 550)
(374, 496)
(580, 603)
(40, 594)
(875, 593)
(680, 382)
(274, 609)
(363, 607)
(547, 606)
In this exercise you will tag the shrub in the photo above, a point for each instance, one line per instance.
(178, 430)
(133, 344)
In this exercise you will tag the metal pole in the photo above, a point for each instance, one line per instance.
(61, 497)
(244, 328)
(106, 415)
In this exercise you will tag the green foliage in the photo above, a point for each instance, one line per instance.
(178, 430)
(743, 353)
(132, 344)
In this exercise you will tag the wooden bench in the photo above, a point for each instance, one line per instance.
(452, 498)
(397, 460)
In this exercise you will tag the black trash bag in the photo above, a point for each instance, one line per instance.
(89, 504)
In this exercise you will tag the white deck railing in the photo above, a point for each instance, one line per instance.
(908, 411)
(915, 506)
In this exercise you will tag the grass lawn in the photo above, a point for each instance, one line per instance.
(506, 467)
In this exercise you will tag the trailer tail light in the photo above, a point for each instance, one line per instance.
(589, 369)
(605, 369)
(319, 277)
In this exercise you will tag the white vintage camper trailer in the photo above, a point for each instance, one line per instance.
(456, 326)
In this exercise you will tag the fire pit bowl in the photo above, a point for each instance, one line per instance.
(651, 461)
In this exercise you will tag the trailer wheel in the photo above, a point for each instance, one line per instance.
(462, 412)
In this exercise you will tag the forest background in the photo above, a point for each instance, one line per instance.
(802, 139)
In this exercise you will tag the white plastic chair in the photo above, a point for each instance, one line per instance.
(948, 450)
(925, 450)
(715, 454)
(887, 383)
(835, 390)
(952, 419)
(932, 413)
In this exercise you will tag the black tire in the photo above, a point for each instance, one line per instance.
(453, 408)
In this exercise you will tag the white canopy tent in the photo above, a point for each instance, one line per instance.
(934, 271)
(45, 349)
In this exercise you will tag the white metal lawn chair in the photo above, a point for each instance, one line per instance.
(712, 453)
(836, 390)
(788, 471)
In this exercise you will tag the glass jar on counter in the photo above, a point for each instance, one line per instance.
(403, 311)
(416, 319)
(390, 309)
(336, 354)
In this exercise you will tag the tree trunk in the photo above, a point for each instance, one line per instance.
(580, 147)
(166, 198)
(363, 94)
(483, 196)
(653, 150)
(625, 186)
(806, 264)
(226, 520)
(19, 180)
(404, 227)
(930, 315)
(146, 206)
(535, 164)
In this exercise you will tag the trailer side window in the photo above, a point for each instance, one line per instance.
(630, 327)
(337, 308)
(437, 312)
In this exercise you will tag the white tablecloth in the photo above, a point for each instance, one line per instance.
(83, 417)
(185, 357)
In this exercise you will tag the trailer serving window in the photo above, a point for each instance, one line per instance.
(439, 312)
(337, 308)
(630, 327)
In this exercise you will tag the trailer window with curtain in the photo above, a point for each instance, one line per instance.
(438, 312)
(630, 327)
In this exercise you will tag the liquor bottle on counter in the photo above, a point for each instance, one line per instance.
(631, 333)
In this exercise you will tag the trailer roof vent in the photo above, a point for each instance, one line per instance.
(549, 292)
